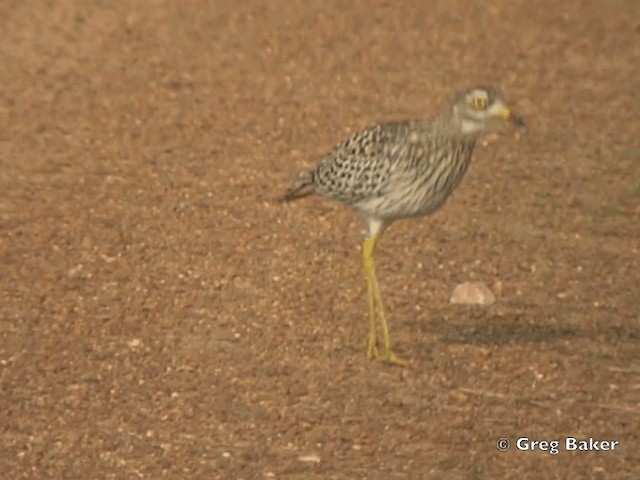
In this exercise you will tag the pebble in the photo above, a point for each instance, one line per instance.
(472, 293)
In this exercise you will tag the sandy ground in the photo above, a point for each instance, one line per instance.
(162, 316)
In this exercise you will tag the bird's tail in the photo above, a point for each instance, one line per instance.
(302, 187)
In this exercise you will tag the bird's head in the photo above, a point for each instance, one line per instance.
(481, 109)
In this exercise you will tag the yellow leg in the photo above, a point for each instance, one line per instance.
(372, 342)
(376, 309)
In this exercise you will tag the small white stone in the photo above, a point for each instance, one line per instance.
(472, 293)
(312, 458)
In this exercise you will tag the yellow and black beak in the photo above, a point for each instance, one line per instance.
(505, 114)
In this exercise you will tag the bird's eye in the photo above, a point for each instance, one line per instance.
(479, 103)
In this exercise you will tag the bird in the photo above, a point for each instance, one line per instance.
(400, 170)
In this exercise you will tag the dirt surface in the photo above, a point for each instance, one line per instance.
(162, 316)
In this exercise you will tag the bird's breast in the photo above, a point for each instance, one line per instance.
(421, 185)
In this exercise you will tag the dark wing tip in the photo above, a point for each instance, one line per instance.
(303, 187)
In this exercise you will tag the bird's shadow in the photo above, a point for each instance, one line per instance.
(495, 330)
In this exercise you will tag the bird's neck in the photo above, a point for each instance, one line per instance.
(450, 124)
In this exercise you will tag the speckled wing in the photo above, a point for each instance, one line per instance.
(361, 167)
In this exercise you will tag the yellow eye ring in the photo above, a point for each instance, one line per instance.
(479, 103)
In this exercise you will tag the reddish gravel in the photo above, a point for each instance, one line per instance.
(162, 316)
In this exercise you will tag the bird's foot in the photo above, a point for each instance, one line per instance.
(385, 356)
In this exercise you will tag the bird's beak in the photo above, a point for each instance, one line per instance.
(505, 114)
